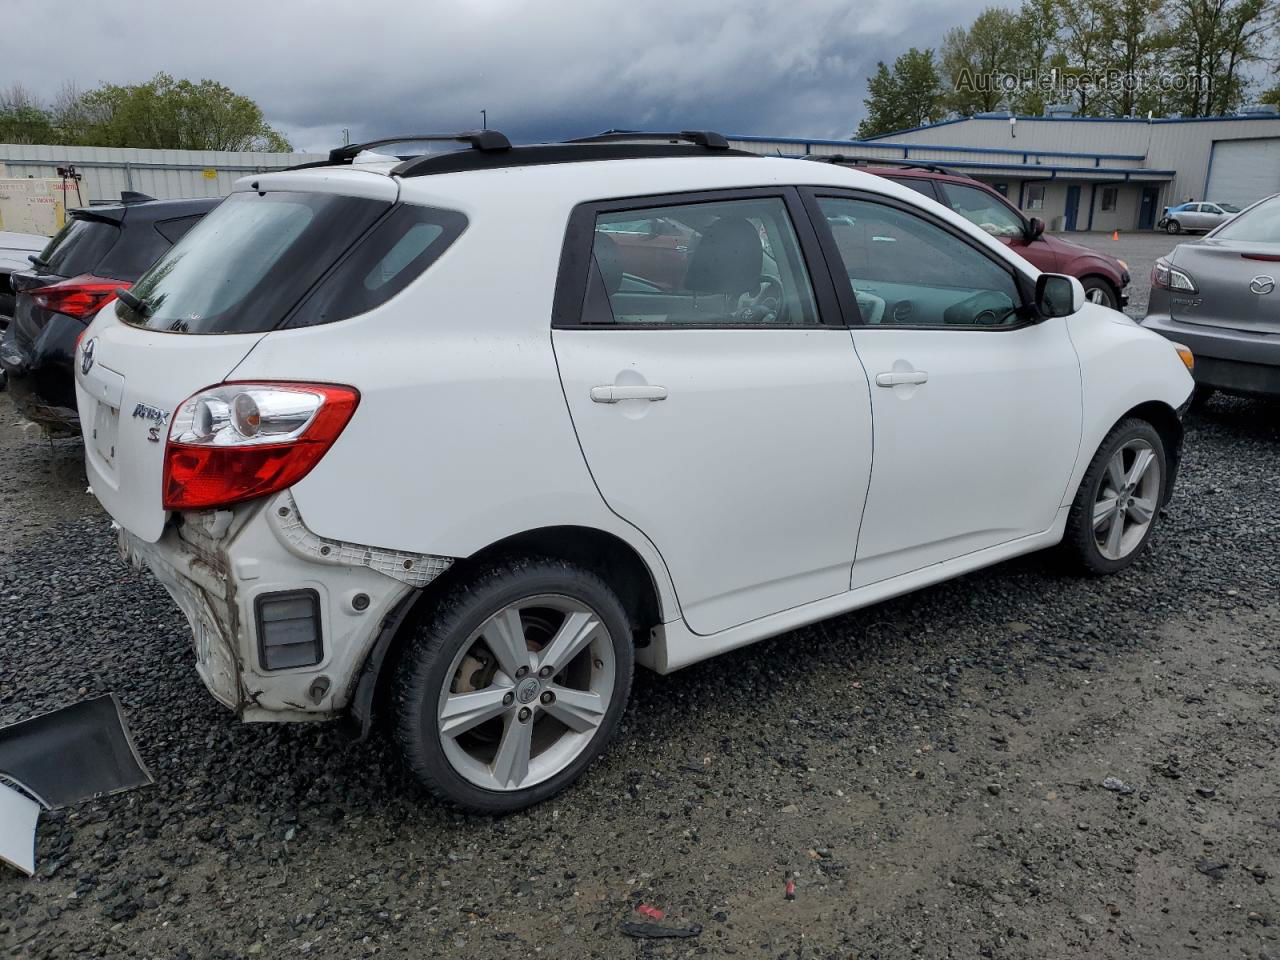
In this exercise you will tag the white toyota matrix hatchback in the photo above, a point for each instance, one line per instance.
(462, 437)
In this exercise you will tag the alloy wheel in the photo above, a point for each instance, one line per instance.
(526, 693)
(1099, 295)
(1127, 499)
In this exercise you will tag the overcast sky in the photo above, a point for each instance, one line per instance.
(541, 70)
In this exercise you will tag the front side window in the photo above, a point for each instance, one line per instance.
(730, 262)
(981, 208)
(906, 270)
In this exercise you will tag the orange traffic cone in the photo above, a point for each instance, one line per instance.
(1115, 234)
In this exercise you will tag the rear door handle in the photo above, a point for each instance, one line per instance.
(897, 378)
(613, 393)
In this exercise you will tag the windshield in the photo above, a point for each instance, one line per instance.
(1258, 224)
(242, 268)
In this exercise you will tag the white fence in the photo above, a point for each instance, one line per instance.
(164, 174)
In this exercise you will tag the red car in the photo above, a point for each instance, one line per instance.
(1104, 277)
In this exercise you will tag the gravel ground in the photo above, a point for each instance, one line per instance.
(927, 772)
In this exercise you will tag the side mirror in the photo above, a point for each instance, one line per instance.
(1035, 229)
(1058, 295)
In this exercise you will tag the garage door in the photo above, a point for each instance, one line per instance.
(1242, 171)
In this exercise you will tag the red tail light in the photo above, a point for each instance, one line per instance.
(241, 441)
(78, 297)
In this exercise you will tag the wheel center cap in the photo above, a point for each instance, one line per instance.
(527, 690)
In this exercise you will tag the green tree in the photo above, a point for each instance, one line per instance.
(1211, 44)
(22, 118)
(909, 95)
(1084, 41)
(165, 113)
(1134, 39)
(1037, 45)
(975, 60)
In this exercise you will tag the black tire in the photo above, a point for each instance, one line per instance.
(1173, 226)
(421, 674)
(1079, 543)
(1091, 284)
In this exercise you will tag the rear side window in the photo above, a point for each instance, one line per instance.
(78, 246)
(733, 262)
(397, 251)
(250, 261)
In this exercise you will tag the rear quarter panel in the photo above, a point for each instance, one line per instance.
(462, 436)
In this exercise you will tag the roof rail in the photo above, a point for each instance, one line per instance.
(703, 138)
(613, 145)
(478, 140)
(483, 140)
(841, 158)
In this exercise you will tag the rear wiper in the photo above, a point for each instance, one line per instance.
(134, 303)
(38, 260)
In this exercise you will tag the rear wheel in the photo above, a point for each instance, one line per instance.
(514, 686)
(1098, 290)
(1116, 507)
(1173, 226)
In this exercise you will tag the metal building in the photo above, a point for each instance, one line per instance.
(164, 174)
(1085, 173)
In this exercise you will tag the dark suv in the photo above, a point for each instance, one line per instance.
(100, 250)
(1104, 277)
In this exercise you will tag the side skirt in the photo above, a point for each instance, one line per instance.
(675, 646)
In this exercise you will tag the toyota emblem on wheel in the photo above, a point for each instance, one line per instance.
(1262, 285)
(86, 359)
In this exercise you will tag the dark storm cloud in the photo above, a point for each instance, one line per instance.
(541, 70)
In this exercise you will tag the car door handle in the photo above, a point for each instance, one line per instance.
(897, 378)
(613, 393)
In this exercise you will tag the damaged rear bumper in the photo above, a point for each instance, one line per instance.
(220, 567)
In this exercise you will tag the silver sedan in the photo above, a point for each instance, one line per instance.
(1220, 295)
(1198, 216)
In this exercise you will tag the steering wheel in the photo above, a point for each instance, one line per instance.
(767, 305)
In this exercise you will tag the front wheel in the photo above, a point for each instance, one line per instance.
(1173, 226)
(514, 686)
(1115, 509)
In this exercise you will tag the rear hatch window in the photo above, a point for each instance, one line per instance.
(78, 246)
(1261, 224)
(259, 262)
